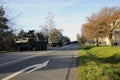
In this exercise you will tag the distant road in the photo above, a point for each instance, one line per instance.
(52, 64)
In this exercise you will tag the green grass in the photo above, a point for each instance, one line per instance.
(99, 63)
(1, 52)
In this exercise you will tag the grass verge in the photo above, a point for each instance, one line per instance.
(99, 63)
(1, 52)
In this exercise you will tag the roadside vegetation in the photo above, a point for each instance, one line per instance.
(99, 63)
(100, 25)
(11, 37)
(1, 52)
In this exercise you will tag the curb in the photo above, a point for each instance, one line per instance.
(73, 69)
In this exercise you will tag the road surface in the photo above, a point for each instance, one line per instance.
(52, 64)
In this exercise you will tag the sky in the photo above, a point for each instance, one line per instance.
(69, 15)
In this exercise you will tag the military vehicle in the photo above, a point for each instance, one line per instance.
(33, 41)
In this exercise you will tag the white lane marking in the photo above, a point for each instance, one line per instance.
(35, 67)
(24, 58)
(3, 64)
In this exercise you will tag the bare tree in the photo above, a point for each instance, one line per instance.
(55, 37)
(49, 21)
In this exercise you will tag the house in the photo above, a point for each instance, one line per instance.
(115, 37)
(116, 34)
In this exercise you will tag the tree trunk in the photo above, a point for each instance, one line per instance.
(97, 42)
(110, 40)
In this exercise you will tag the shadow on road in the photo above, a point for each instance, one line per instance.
(61, 59)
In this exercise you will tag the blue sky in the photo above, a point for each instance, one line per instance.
(69, 14)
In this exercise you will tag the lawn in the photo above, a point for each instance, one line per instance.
(99, 63)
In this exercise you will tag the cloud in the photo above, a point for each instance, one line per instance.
(41, 4)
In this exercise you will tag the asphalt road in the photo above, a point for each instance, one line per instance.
(52, 64)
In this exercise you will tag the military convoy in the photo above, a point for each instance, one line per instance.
(33, 41)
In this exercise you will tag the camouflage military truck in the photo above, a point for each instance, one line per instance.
(33, 41)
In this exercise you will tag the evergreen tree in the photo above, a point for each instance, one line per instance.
(6, 34)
